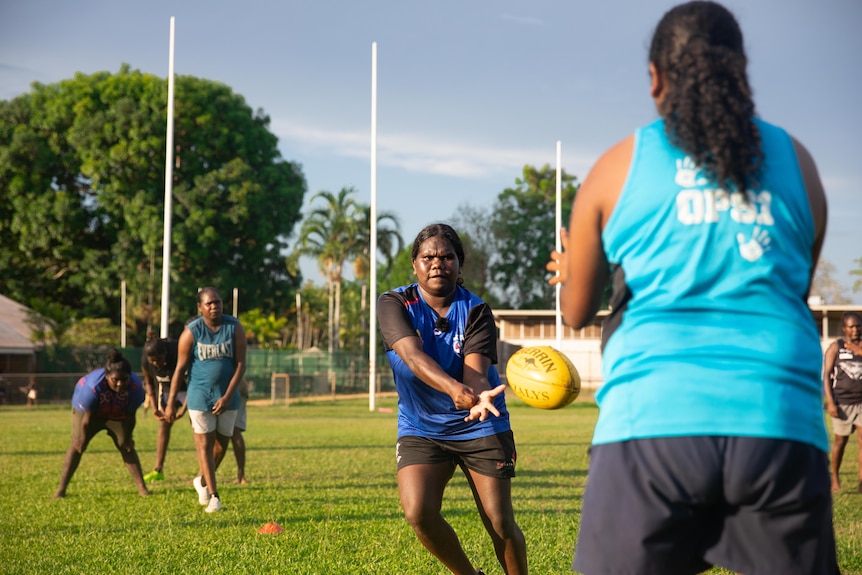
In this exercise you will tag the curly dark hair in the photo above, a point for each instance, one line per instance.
(117, 364)
(447, 232)
(707, 106)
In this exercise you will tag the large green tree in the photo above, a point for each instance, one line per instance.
(523, 227)
(479, 241)
(398, 273)
(82, 177)
(389, 243)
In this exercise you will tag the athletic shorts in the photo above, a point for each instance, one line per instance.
(493, 455)
(178, 402)
(848, 416)
(241, 415)
(114, 428)
(678, 505)
(207, 422)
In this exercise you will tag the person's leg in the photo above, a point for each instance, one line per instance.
(238, 443)
(133, 464)
(204, 446)
(77, 446)
(493, 498)
(421, 489)
(220, 449)
(126, 447)
(70, 464)
(837, 455)
(859, 457)
(224, 427)
(162, 440)
(238, 440)
(204, 431)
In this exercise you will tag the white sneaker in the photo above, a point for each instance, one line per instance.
(203, 494)
(214, 505)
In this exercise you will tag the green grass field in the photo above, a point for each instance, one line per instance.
(325, 472)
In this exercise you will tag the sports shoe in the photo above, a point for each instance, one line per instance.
(203, 494)
(214, 505)
(154, 476)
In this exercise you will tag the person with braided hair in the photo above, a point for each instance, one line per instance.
(710, 448)
(107, 398)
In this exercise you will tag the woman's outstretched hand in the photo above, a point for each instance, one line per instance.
(557, 263)
(485, 404)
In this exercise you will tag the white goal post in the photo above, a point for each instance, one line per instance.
(280, 386)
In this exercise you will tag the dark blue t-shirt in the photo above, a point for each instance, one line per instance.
(422, 410)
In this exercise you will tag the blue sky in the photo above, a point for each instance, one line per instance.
(468, 91)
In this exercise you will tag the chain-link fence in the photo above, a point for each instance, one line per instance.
(311, 373)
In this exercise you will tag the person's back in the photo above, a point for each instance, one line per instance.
(710, 448)
(715, 294)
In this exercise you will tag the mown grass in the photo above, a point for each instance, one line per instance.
(323, 471)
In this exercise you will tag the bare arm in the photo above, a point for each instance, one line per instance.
(476, 368)
(409, 349)
(240, 352)
(128, 427)
(583, 266)
(150, 389)
(828, 370)
(184, 356)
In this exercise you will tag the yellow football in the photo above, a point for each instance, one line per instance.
(543, 377)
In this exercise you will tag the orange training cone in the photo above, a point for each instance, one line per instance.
(271, 527)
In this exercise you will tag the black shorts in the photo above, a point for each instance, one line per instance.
(678, 505)
(493, 455)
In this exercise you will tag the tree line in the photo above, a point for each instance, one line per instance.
(82, 177)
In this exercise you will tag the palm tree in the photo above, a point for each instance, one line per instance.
(389, 243)
(329, 234)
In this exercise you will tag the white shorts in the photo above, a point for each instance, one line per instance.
(241, 415)
(848, 416)
(206, 422)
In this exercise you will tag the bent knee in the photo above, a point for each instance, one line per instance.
(420, 515)
(504, 526)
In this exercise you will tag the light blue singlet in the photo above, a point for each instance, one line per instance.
(717, 338)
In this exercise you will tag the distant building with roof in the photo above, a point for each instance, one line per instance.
(17, 350)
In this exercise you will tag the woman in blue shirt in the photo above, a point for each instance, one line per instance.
(107, 398)
(441, 342)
